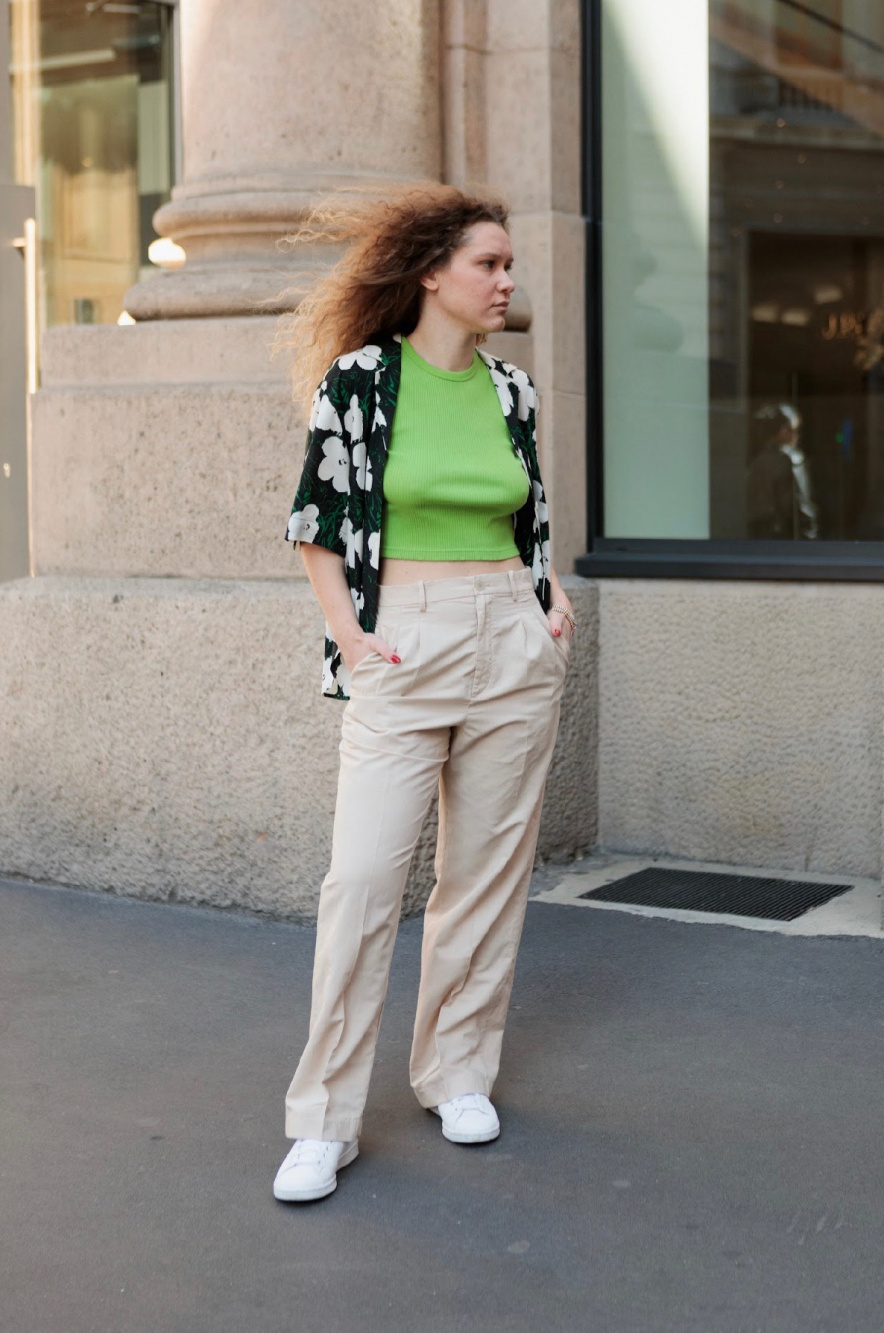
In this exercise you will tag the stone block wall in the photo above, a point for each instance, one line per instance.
(166, 738)
(741, 722)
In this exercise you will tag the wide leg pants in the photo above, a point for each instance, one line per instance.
(472, 708)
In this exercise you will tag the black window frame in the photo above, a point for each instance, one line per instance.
(696, 558)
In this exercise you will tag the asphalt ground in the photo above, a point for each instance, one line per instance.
(691, 1134)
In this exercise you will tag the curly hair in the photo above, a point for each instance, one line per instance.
(375, 289)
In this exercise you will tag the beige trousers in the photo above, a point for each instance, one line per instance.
(473, 708)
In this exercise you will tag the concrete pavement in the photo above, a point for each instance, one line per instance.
(692, 1135)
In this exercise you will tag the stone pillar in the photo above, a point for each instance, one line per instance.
(281, 104)
(532, 92)
(511, 112)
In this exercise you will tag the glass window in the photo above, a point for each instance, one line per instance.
(743, 269)
(93, 126)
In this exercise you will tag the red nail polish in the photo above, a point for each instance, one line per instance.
(394, 658)
(557, 632)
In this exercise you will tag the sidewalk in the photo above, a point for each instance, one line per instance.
(692, 1135)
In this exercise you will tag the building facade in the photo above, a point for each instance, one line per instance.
(698, 222)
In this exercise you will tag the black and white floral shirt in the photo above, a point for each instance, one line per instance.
(339, 500)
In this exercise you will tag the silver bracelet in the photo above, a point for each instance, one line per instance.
(563, 610)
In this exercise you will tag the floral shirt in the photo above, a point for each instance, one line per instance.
(339, 500)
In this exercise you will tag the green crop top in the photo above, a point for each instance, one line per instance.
(452, 480)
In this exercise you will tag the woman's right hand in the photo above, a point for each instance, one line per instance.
(326, 572)
(365, 644)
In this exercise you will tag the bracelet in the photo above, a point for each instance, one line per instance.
(563, 610)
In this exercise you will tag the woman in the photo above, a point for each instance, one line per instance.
(422, 524)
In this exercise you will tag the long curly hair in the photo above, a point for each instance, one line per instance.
(375, 289)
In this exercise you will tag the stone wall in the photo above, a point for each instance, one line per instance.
(741, 722)
(166, 738)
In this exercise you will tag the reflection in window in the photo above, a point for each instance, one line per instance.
(91, 82)
(797, 265)
(744, 349)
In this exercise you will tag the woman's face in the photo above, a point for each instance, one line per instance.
(475, 286)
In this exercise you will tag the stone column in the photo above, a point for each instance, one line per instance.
(532, 76)
(281, 104)
(511, 104)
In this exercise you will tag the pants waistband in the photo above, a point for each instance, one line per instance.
(514, 584)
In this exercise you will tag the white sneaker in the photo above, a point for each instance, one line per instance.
(310, 1169)
(468, 1119)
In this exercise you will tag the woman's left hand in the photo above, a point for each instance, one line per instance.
(559, 624)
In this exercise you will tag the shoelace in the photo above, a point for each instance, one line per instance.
(308, 1152)
(469, 1101)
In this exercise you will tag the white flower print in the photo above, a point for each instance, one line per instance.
(501, 384)
(537, 565)
(335, 466)
(314, 409)
(303, 526)
(539, 505)
(352, 542)
(362, 465)
(326, 418)
(527, 396)
(358, 600)
(341, 681)
(379, 418)
(353, 419)
(366, 357)
(540, 564)
(374, 550)
(329, 685)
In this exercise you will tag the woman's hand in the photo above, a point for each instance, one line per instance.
(559, 624)
(361, 645)
(326, 573)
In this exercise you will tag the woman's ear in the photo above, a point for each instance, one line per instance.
(430, 280)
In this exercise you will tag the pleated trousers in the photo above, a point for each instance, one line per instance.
(472, 709)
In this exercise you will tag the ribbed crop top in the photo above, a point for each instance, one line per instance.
(452, 479)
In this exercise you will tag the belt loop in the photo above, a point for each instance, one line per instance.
(422, 594)
(513, 589)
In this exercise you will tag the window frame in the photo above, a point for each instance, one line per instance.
(177, 130)
(638, 557)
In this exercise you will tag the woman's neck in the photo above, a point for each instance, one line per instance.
(445, 346)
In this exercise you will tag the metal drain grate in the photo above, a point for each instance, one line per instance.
(707, 891)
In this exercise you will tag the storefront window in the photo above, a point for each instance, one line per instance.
(743, 269)
(93, 132)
